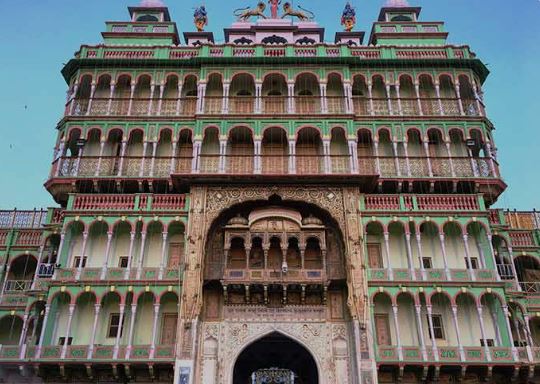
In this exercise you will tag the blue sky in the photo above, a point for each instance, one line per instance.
(39, 35)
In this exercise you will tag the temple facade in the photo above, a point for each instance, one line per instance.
(274, 209)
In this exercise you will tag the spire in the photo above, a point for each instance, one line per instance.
(152, 3)
(397, 3)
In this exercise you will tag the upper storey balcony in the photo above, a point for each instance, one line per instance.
(432, 163)
(306, 94)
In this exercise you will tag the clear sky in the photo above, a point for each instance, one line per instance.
(39, 35)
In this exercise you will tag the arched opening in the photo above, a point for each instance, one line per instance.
(242, 94)
(407, 93)
(275, 359)
(122, 94)
(449, 100)
(364, 148)
(467, 94)
(184, 152)
(169, 101)
(21, 273)
(430, 106)
(240, 151)
(335, 94)
(309, 159)
(360, 95)
(141, 97)
(307, 94)
(274, 93)
(380, 97)
(189, 95)
(275, 152)
(209, 157)
(100, 100)
(213, 100)
(339, 151)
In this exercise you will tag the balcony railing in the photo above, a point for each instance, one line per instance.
(422, 203)
(23, 219)
(247, 105)
(77, 353)
(432, 274)
(289, 50)
(264, 275)
(385, 167)
(17, 286)
(119, 202)
(46, 270)
(117, 274)
(447, 354)
(522, 239)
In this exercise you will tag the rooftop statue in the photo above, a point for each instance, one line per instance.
(348, 18)
(244, 14)
(303, 15)
(200, 18)
(274, 7)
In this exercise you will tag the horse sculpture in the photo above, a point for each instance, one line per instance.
(244, 14)
(303, 15)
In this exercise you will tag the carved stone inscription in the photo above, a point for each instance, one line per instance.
(267, 314)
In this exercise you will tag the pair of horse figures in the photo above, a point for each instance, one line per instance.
(244, 14)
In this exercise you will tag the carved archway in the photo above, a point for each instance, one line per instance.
(275, 349)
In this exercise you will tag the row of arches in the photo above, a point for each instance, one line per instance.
(309, 153)
(423, 246)
(308, 93)
(441, 320)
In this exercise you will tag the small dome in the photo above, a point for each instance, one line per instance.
(311, 220)
(238, 220)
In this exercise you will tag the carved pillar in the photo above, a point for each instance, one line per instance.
(68, 330)
(468, 257)
(420, 254)
(258, 97)
(324, 101)
(91, 100)
(119, 331)
(122, 158)
(458, 332)
(154, 330)
(439, 100)
(418, 100)
(257, 163)
(163, 254)
(179, 99)
(83, 254)
(398, 333)
(398, 93)
(483, 331)
(225, 101)
(132, 93)
(327, 158)
(111, 96)
(410, 254)
(107, 255)
(97, 309)
(160, 102)
(445, 258)
(292, 156)
(460, 102)
(387, 255)
(353, 155)
(222, 155)
(43, 330)
(370, 95)
(420, 330)
(290, 98)
(141, 253)
(130, 254)
(432, 332)
(389, 100)
(131, 329)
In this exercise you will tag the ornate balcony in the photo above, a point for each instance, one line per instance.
(261, 276)
(274, 105)
(411, 203)
(132, 202)
(451, 354)
(431, 275)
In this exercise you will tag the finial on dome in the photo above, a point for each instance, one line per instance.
(152, 3)
(397, 3)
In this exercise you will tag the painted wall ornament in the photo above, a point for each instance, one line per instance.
(200, 18)
(274, 7)
(244, 14)
(348, 18)
(302, 15)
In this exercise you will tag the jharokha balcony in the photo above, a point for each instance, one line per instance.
(276, 95)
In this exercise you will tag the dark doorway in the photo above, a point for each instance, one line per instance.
(276, 351)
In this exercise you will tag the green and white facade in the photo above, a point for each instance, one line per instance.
(273, 205)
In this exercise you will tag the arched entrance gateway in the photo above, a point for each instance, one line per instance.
(275, 359)
(278, 303)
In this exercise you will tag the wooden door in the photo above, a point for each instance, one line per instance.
(176, 254)
(374, 255)
(168, 328)
(382, 328)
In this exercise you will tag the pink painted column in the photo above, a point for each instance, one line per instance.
(130, 255)
(154, 330)
(131, 330)
(83, 254)
(119, 334)
(164, 236)
(445, 259)
(97, 309)
(141, 254)
(68, 330)
(107, 255)
(43, 330)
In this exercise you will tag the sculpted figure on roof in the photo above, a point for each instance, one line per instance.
(244, 14)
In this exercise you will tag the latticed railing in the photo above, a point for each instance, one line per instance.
(422, 203)
(385, 166)
(216, 105)
(22, 219)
